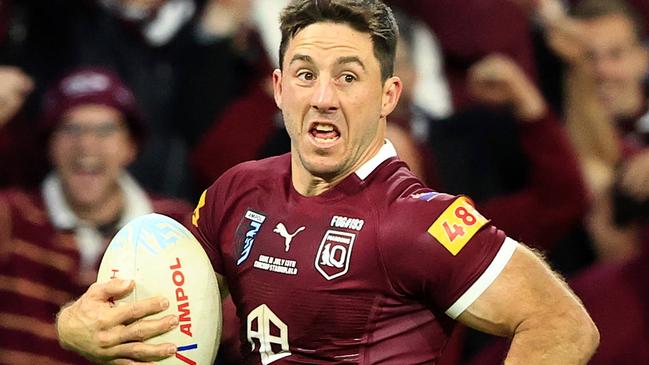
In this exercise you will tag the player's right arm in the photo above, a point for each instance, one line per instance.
(532, 305)
(108, 334)
(463, 265)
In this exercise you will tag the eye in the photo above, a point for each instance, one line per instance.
(616, 53)
(306, 75)
(347, 78)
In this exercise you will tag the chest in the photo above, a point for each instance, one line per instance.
(314, 245)
(300, 268)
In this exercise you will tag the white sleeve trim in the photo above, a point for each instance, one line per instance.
(484, 281)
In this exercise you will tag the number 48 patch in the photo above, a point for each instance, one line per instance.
(456, 225)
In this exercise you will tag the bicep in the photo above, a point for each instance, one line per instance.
(525, 288)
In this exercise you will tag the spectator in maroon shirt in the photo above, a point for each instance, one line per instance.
(51, 238)
(606, 111)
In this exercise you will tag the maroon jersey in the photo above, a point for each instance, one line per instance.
(371, 271)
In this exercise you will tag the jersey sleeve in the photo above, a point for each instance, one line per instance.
(442, 251)
(207, 217)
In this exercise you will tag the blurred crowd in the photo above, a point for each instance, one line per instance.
(536, 109)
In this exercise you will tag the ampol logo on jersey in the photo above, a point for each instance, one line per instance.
(334, 253)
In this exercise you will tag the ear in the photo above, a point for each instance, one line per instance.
(277, 87)
(644, 59)
(391, 93)
(131, 151)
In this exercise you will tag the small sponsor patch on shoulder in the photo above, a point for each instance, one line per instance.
(457, 225)
(427, 196)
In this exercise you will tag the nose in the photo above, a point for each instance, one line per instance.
(325, 97)
(87, 140)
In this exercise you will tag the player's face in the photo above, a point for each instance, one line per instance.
(618, 63)
(89, 151)
(333, 100)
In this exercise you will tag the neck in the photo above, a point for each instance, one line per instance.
(309, 184)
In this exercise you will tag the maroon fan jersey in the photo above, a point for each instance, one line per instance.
(369, 272)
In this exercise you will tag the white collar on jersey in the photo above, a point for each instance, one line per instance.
(386, 151)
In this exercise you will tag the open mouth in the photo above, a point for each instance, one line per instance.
(324, 132)
(87, 167)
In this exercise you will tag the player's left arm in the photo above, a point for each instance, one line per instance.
(533, 305)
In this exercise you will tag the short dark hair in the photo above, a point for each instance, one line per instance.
(592, 9)
(368, 16)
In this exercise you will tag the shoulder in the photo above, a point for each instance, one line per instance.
(23, 202)
(17, 195)
(248, 176)
(242, 179)
(420, 209)
(419, 215)
(400, 191)
(256, 170)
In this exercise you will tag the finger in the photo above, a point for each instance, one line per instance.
(112, 289)
(140, 351)
(128, 362)
(490, 75)
(147, 328)
(15, 80)
(26, 85)
(137, 331)
(129, 312)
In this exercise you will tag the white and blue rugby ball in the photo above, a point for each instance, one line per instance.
(164, 259)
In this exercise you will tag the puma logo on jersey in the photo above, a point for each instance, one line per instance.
(288, 237)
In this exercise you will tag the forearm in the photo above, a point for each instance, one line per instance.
(569, 338)
(536, 308)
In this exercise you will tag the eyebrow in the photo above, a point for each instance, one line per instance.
(350, 59)
(301, 57)
(339, 61)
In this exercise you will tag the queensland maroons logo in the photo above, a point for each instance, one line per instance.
(334, 254)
